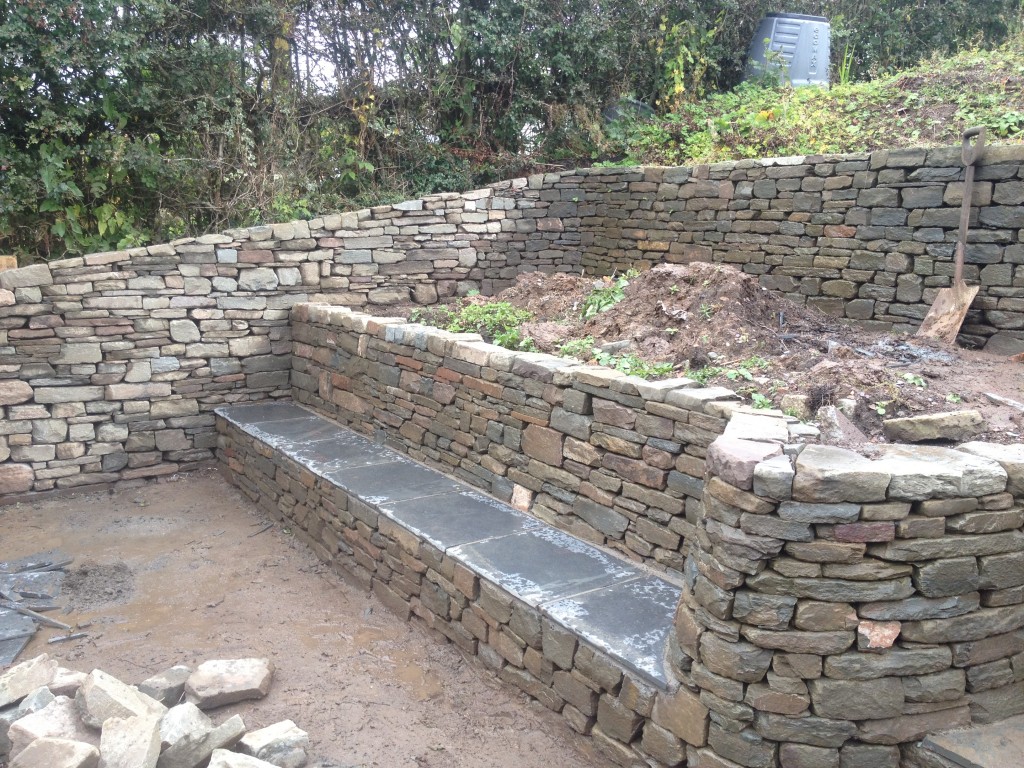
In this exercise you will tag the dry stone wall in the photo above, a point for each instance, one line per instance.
(838, 607)
(613, 459)
(867, 237)
(110, 364)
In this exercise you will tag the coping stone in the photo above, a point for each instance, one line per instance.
(393, 481)
(459, 517)
(629, 620)
(542, 565)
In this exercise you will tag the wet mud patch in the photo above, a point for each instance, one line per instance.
(95, 584)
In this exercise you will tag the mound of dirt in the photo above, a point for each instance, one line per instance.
(717, 324)
(93, 584)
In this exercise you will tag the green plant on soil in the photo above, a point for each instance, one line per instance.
(760, 401)
(631, 365)
(610, 293)
(581, 349)
(498, 322)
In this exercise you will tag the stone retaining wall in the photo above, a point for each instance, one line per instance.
(868, 237)
(839, 607)
(613, 459)
(110, 364)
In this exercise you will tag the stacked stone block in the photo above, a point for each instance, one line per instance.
(839, 607)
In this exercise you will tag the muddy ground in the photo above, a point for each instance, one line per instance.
(716, 323)
(187, 570)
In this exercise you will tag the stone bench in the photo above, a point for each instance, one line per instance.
(564, 620)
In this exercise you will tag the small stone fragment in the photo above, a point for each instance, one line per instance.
(57, 753)
(219, 682)
(282, 744)
(168, 686)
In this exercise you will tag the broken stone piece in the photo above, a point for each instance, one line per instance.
(20, 680)
(282, 744)
(223, 758)
(57, 753)
(102, 696)
(954, 426)
(181, 721)
(168, 686)
(66, 682)
(195, 749)
(219, 682)
(58, 719)
(35, 701)
(130, 742)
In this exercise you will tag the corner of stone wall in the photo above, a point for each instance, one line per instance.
(838, 606)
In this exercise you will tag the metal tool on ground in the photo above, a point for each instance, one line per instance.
(951, 304)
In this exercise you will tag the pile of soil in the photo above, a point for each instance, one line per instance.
(716, 323)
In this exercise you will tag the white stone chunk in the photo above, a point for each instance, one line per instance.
(66, 682)
(102, 696)
(130, 742)
(194, 751)
(223, 758)
(20, 680)
(181, 721)
(57, 753)
(219, 682)
(58, 719)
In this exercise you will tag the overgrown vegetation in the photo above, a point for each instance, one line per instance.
(125, 123)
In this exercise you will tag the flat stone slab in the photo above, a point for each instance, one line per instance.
(9, 649)
(998, 745)
(36, 561)
(629, 620)
(452, 519)
(543, 565)
(44, 585)
(344, 451)
(13, 625)
(284, 431)
(259, 412)
(397, 480)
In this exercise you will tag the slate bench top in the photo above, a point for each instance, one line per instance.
(605, 600)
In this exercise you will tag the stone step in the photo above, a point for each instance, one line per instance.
(998, 745)
(603, 599)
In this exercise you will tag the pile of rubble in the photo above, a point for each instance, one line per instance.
(29, 587)
(52, 717)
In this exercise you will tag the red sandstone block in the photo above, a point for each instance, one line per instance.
(865, 532)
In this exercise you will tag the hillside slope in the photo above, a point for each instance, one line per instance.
(926, 106)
